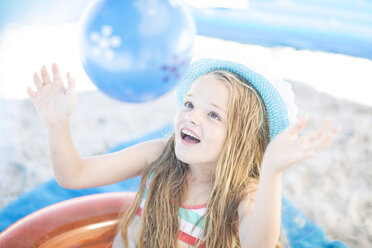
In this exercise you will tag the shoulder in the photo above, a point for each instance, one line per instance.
(149, 150)
(154, 149)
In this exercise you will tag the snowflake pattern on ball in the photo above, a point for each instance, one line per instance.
(105, 42)
(173, 70)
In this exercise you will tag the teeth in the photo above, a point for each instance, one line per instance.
(189, 133)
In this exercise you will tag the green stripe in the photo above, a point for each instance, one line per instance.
(185, 214)
(145, 192)
(151, 175)
(191, 217)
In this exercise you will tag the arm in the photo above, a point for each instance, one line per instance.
(74, 172)
(259, 220)
(55, 104)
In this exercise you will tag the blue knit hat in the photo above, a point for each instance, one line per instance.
(274, 103)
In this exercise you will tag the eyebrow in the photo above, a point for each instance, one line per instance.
(215, 105)
(220, 108)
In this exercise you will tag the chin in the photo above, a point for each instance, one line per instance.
(185, 157)
(190, 158)
(181, 157)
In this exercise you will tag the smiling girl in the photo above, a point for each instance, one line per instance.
(215, 182)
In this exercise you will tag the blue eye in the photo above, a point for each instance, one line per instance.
(214, 116)
(188, 105)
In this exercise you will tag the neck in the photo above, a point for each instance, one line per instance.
(200, 174)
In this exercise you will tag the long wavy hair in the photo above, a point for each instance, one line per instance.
(235, 177)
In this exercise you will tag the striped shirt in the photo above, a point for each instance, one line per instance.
(191, 220)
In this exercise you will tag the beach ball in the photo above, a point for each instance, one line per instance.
(135, 51)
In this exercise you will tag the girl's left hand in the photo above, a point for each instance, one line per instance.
(287, 149)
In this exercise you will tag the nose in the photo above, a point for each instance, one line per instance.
(193, 117)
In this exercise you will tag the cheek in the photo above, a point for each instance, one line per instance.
(218, 136)
(177, 119)
(222, 137)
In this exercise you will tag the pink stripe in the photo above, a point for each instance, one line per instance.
(188, 239)
(139, 211)
(194, 206)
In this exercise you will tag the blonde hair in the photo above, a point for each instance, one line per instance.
(234, 179)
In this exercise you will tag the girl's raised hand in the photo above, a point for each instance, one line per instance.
(53, 101)
(288, 148)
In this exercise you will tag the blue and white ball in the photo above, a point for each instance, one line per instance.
(137, 50)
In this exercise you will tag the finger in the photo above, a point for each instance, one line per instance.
(325, 139)
(304, 155)
(298, 126)
(329, 137)
(309, 154)
(37, 81)
(323, 142)
(31, 93)
(336, 129)
(56, 74)
(71, 84)
(45, 75)
(321, 131)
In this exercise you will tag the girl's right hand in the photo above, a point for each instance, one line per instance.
(53, 101)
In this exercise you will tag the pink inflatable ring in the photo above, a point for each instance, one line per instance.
(87, 221)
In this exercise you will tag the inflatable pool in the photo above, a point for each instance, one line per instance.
(87, 221)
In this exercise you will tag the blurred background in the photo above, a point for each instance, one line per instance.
(323, 48)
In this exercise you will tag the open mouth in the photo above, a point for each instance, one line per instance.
(188, 137)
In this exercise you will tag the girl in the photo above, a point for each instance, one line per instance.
(216, 182)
